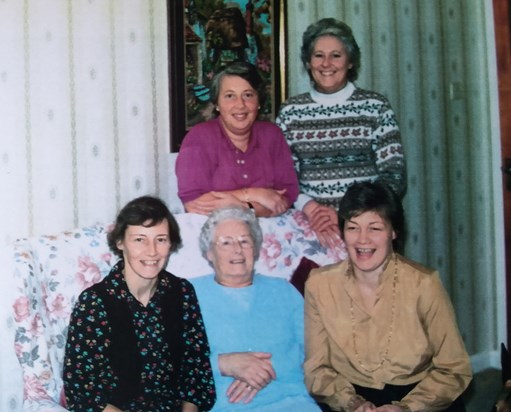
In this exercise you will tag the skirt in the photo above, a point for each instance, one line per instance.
(391, 393)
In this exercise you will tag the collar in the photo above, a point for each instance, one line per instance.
(331, 99)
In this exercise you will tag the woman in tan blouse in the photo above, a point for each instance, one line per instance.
(381, 333)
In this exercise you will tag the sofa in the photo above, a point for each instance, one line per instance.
(50, 271)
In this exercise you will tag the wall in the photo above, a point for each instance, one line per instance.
(84, 109)
(435, 61)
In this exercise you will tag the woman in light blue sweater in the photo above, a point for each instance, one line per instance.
(254, 323)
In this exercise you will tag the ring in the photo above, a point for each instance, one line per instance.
(249, 388)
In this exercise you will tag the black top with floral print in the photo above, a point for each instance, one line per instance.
(89, 377)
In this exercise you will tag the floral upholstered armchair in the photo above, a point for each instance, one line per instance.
(51, 271)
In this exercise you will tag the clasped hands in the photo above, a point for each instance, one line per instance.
(267, 202)
(325, 224)
(252, 371)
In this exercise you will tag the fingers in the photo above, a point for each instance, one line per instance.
(329, 238)
(366, 407)
(239, 391)
(323, 216)
(253, 368)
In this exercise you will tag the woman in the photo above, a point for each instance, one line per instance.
(235, 159)
(254, 322)
(136, 341)
(381, 333)
(338, 133)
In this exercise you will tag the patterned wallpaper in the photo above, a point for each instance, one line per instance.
(435, 61)
(84, 108)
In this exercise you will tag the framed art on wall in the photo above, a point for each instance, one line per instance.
(204, 36)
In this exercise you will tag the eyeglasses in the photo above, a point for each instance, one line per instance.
(229, 243)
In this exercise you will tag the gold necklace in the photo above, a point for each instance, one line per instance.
(391, 329)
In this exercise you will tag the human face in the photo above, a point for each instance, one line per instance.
(233, 263)
(329, 64)
(145, 251)
(238, 106)
(368, 238)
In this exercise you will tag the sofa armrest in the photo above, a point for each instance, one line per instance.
(51, 271)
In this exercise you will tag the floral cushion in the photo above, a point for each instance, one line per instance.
(51, 271)
(286, 239)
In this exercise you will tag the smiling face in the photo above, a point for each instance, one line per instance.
(238, 105)
(368, 238)
(232, 254)
(329, 64)
(145, 251)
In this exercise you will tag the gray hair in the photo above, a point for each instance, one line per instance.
(230, 213)
(342, 32)
(246, 71)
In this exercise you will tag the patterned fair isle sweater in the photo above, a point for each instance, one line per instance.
(337, 139)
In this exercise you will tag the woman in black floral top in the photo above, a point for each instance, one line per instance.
(136, 341)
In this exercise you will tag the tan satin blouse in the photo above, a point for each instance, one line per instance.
(411, 335)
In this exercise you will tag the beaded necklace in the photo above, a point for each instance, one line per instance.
(391, 329)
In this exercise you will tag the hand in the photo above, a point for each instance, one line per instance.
(111, 408)
(271, 199)
(389, 408)
(252, 368)
(239, 391)
(208, 202)
(320, 216)
(324, 222)
(189, 407)
(365, 407)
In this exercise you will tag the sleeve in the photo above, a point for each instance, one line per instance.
(285, 175)
(282, 123)
(194, 169)
(451, 372)
(322, 380)
(196, 377)
(87, 373)
(390, 160)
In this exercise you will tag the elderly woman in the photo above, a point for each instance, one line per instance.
(236, 159)
(381, 333)
(254, 322)
(338, 132)
(136, 341)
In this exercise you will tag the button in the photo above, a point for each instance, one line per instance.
(245, 176)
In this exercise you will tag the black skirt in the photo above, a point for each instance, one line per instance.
(395, 393)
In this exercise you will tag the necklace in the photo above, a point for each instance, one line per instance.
(391, 328)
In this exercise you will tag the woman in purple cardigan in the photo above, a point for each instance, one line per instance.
(236, 159)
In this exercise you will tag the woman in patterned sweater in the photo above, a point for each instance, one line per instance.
(338, 133)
